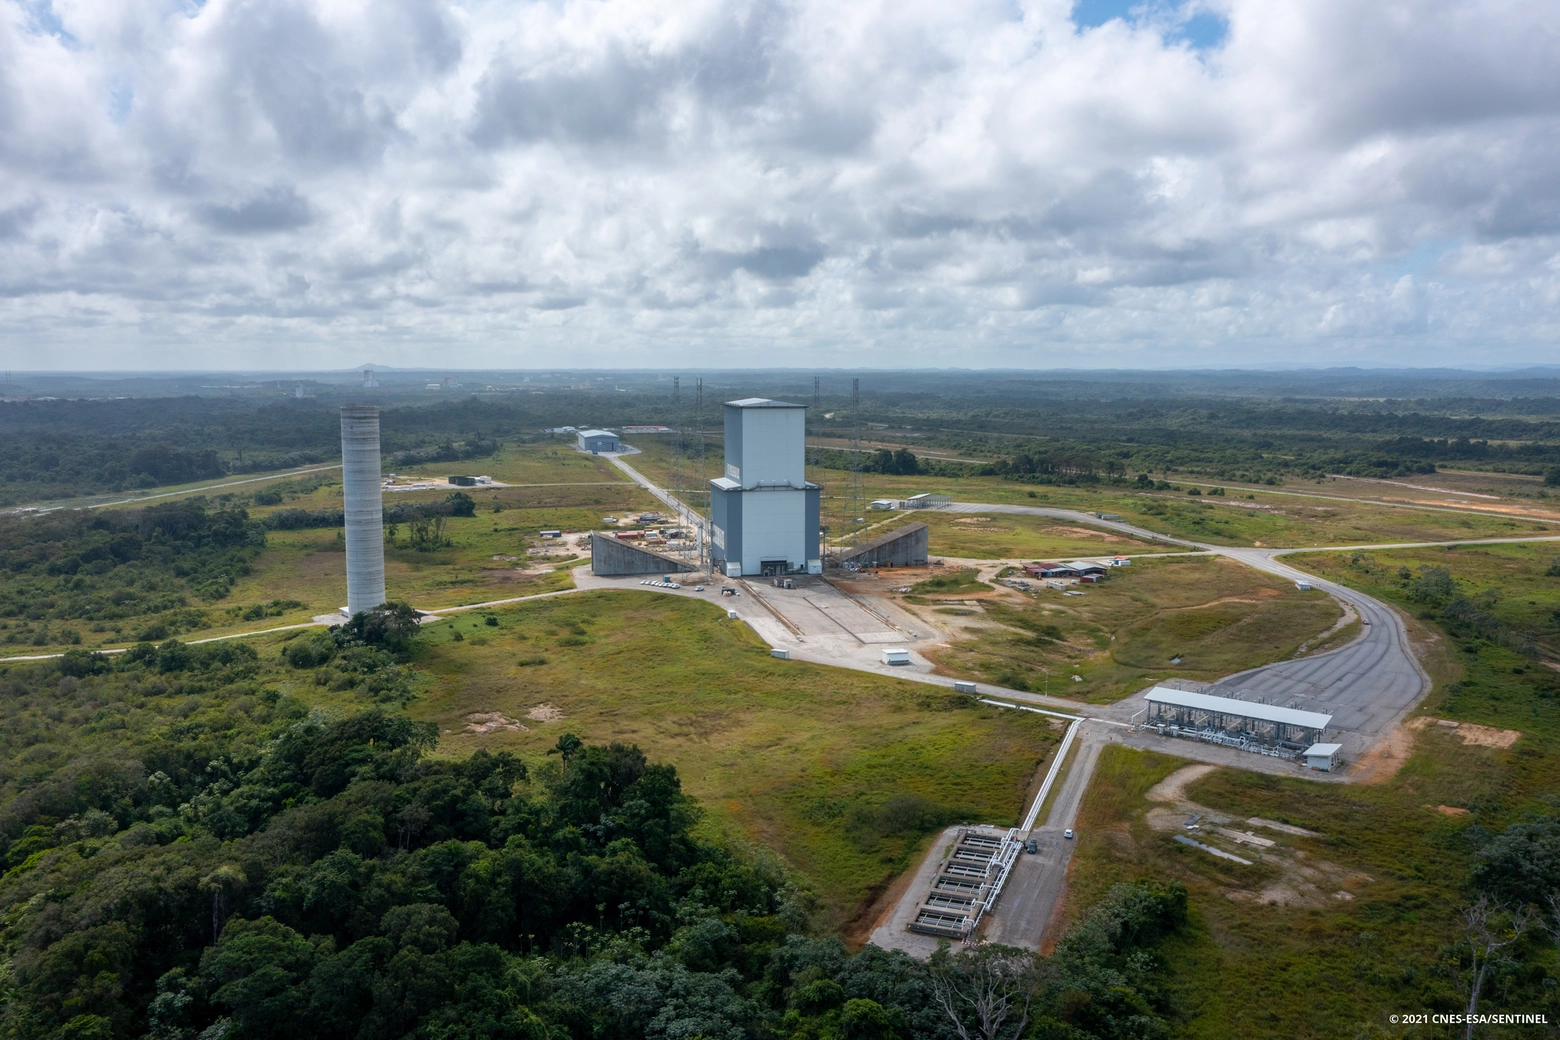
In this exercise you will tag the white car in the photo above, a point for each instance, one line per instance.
(698, 588)
(1067, 833)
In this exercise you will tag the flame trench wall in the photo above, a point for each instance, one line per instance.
(364, 508)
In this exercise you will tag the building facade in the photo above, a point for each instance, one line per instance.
(763, 512)
(599, 440)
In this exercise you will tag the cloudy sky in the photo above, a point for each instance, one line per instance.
(873, 183)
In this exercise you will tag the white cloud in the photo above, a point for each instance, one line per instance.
(272, 182)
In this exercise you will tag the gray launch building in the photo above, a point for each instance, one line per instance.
(364, 508)
(763, 512)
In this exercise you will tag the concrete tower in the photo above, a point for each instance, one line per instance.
(365, 513)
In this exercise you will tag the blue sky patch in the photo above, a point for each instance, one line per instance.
(1202, 29)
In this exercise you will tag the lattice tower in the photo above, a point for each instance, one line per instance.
(855, 490)
(701, 499)
(677, 465)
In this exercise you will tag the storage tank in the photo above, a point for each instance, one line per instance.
(364, 507)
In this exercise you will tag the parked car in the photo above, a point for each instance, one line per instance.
(698, 588)
(1067, 833)
(1031, 845)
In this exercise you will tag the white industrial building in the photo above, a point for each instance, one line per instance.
(763, 512)
(599, 441)
(1248, 725)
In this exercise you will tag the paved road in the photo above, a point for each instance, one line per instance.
(689, 515)
(1038, 880)
(101, 501)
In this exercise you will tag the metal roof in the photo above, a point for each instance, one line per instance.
(1323, 749)
(761, 402)
(1245, 709)
(597, 433)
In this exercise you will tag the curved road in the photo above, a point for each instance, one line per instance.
(1366, 685)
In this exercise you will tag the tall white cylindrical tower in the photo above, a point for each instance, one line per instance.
(364, 506)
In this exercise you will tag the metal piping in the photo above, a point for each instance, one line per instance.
(363, 502)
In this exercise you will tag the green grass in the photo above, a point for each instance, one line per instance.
(1008, 536)
(793, 756)
(1217, 615)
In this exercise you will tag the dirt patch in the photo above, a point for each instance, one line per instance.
(545, 712)
(1173, 787)
(1098, 536)
(973, 520)
(492, 722)
(1381, 763)
(1487, 736)
(1472, 734)
(1450, 810)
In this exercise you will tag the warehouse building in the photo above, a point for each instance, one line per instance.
(599, 441)
(763, 512)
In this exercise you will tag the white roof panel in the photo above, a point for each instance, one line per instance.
(597, 433)
(1231, 706)
(761, 402)
(1323, 749)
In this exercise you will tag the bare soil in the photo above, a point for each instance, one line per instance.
(492, 722)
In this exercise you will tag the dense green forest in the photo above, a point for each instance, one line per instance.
(1045, 428)
(193, 853)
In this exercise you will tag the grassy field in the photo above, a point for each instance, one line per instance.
(1005, 536)
(1268, 956)
(1216, 615)
(843, 774)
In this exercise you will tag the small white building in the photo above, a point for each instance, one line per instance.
(884, 503)
(1303, 586)
(1323, 756)
(896, 657)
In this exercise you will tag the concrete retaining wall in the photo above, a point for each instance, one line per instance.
(903, 547)
(612, 557)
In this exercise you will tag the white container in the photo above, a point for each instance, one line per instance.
(732, 614)
(1303, 586)
(896, 657)
(963, 687)
(784, 655)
